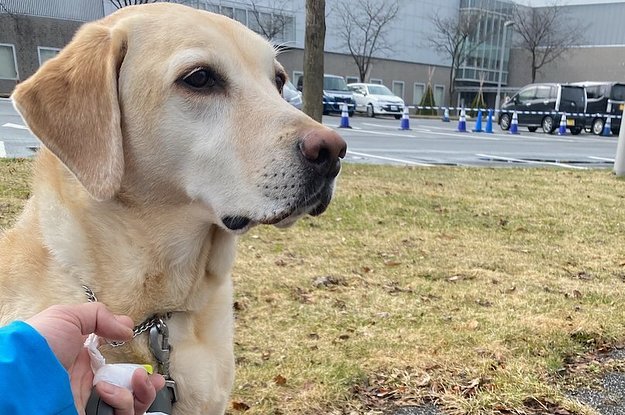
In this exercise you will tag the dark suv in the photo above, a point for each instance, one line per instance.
(542, 105)
(602, 99)
(335, 94)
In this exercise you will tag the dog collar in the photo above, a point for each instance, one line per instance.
(158, 341)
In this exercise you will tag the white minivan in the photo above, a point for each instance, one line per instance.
(375, 99)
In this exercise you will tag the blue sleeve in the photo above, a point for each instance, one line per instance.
(32, 380)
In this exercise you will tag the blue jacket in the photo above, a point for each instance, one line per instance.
(32, 380)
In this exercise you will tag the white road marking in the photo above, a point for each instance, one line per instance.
(414, 163)
(3, 152)
(18, 126)
(601, 158)
(490, 156)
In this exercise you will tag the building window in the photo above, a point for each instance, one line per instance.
(240, 15)
(46, 53)
(439, 94)
(8, 62)
(398, 88)
(352, 79)
(376, 81)
(418, 91)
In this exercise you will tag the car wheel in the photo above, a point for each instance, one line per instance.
(532, 129)
(504, 122)
(548, 125)
(370, 112)
(576, 130)
(397, 116)
(597, 126)
(350, 113)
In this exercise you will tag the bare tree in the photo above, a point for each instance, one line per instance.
(455, 37)
(123, 3)
(313, 58)
(270, 24)
(363, 29)
(545, 33)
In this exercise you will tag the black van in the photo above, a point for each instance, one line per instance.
(602, 99)
(542, 105)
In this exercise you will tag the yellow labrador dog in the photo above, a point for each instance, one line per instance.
(164, 136)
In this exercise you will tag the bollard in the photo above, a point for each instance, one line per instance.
(619, 159)
(405, 120)
(514, 126)
(562, 129)
(489, 122)
(478, 122)
(446, 115)
(607, 128)
(462, 122)
(344, 117)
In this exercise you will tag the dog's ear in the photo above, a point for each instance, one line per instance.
(71, 104)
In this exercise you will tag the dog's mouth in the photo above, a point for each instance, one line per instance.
(313, 205)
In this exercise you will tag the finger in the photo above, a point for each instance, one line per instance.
(145, 388)
(120, 399)
(96, 318)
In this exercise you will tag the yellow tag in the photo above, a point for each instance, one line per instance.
(149, 369)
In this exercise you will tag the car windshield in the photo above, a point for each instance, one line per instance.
(379, 90)
(618, 92)
(334, 83)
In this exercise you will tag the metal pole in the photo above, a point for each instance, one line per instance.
(501, 57)
(619, 160)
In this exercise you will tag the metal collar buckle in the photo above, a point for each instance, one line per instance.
(158, 341)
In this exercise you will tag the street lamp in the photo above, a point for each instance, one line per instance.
(503, 50)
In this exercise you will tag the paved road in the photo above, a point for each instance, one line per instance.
(430, 142)
(15, 139)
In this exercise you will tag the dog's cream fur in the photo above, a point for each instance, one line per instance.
(138, 171)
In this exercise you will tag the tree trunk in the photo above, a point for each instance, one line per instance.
(313, 58)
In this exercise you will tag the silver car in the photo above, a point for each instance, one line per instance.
(375, 99)
(292, 95)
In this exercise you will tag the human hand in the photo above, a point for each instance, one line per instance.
(65, 328)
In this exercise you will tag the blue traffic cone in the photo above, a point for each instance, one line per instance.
(462, 122)
(344, 117)
(478, 123)
(514, 126)
(405, 120)
(562, 129)
(489, 122)
(607, 128)
(446, 115)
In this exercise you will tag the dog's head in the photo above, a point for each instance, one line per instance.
(163, 102)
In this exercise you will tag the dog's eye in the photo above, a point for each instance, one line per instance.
(279, 83)
(201, 78)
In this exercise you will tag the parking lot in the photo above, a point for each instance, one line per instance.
(430, 142)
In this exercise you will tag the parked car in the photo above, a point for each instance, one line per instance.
(542, 105)
(603, 98)
(375, 99)
(292, 95)
(335, 93)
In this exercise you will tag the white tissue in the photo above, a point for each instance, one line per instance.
(118, 374)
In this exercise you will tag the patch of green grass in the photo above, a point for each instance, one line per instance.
(472, 287)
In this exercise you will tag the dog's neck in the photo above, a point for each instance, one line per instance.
(166, 256)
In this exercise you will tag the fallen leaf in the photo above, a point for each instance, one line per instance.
(279, 380)
(240, 406)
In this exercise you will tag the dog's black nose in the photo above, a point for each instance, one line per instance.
(322, 148)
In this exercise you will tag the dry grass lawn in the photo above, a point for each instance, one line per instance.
(473, 288)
